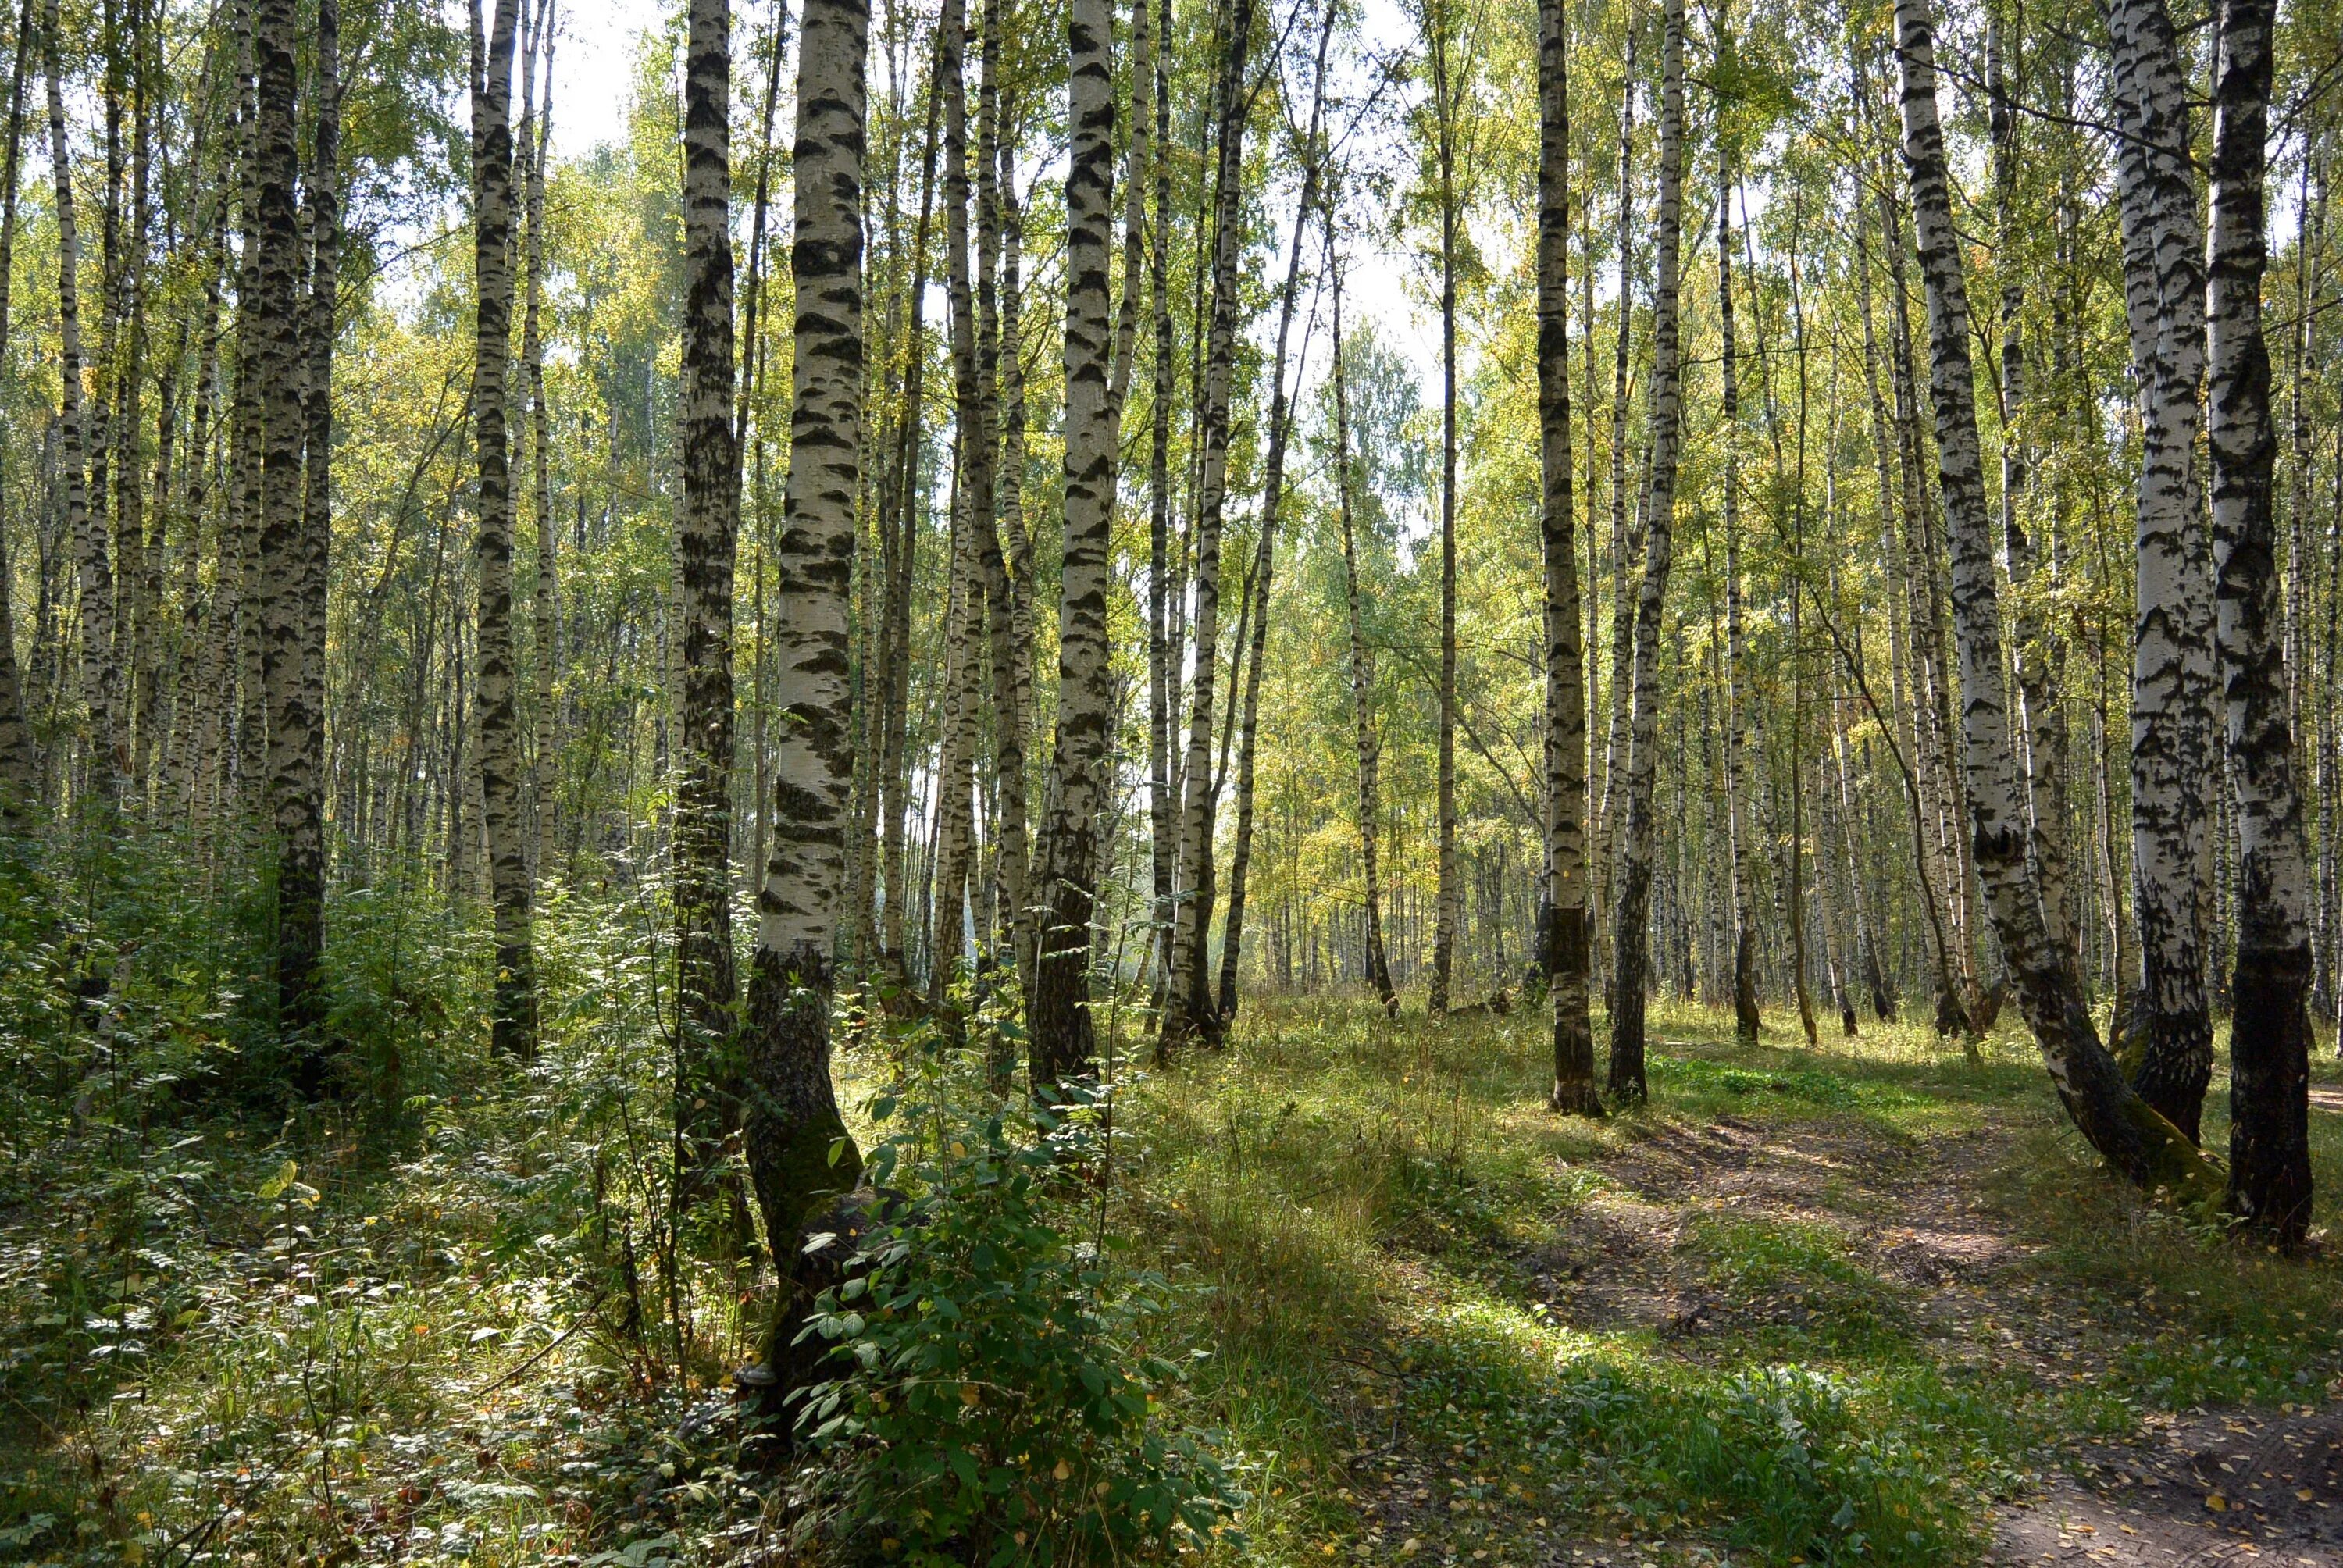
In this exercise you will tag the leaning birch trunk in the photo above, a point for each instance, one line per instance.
(1272, 500)
(20, 768)
(707, 527)
(2172, 674)
(1631, 942)
(1565, 959)
(2270, 1038)
(514, 1027)
(1063, 1042)
(1190, 1009)
(1363, 670)
(800, 1153)
(2138, 1143)
(1747, 1021)
(99, 676)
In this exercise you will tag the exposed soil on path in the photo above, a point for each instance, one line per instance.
(2198, 1488)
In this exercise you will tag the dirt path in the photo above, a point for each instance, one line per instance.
(2260, 1485)
(2244, 1485)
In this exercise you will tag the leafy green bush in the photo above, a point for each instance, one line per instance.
(997, 1402)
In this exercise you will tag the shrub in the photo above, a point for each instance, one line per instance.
(997, 1402)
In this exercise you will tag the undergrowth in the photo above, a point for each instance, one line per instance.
(1337, 1291)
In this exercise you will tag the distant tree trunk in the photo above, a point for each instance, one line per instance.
(100, 677)
(514, 1023)
(1008, 846)
(708, 528)
(1565, 958)
(971, 513)
(1449, 893)
(2125, 1129)
(1162, 675)
(2172, 673)
(545, 610)
(799, 1152)
(1017, 550)
(1747, 1021)
(1063, 1040)
(1272, 500)
(903, 529)
(1624, 546)
(2269, 1040)
(1362, 669)
(1631, 966)
(1190, 1011)
(20, 766)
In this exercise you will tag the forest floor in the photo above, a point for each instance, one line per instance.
(1864, 1302)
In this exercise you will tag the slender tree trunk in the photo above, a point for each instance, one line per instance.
(1747, 1021)
(1362, 669)
(99, 680)
(1272, 500)
(708, 528)
(799, 1152)
(20, 767)
(1565, 958)
(545, 610)
(1625, 548)
(1444, 98)
(515, 1019)
(903, 530)
(2172, 674)
(1063, 1039)
(2269, 1040)
(1190, 1011)
(2142, 1145)
(973, 503)
(297, 558)
(1631, 965)
(1162, 675)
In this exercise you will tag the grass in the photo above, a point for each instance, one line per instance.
(1442, 1324)
(1371, 1206)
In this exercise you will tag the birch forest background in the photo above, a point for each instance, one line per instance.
(1472, 782)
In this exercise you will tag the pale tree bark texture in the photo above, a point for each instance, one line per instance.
(2126, 1131)
(2172, 655)
(799, 1152)
(1063, 1042)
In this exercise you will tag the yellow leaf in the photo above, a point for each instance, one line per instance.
(968, 1394)
(2216, 1503)
(1063, 1472)
(2304, 1494)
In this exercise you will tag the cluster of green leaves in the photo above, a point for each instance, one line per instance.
(997, 1400)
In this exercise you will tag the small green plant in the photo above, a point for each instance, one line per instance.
(997, 1400)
